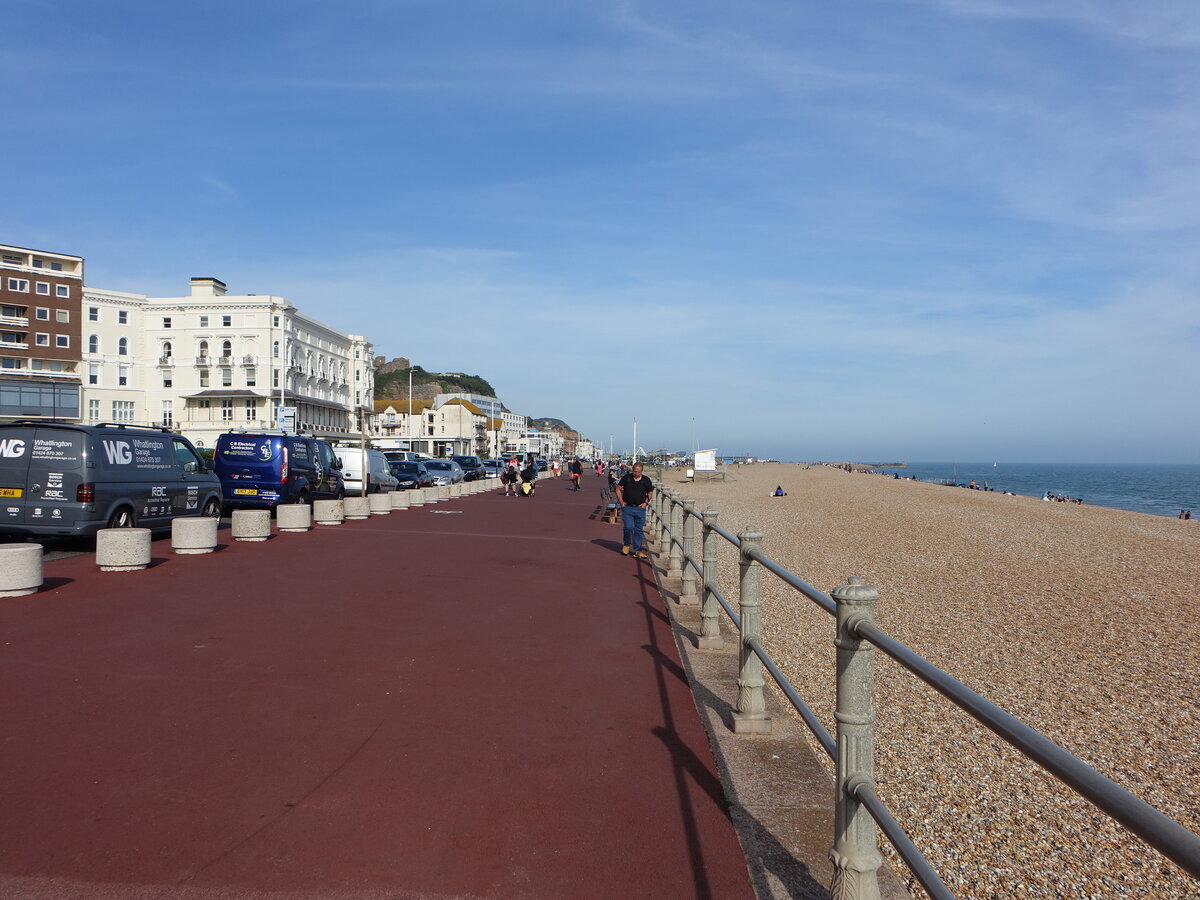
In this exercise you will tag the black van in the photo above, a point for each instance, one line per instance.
(260, 470)
(65, 479)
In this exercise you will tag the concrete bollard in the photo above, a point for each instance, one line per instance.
(399, 499)
(855, 852)
(416, 497)
(751, 715)
(293, 517)
(380, 504)
(20, 569)
(443, 492)
(123, 549)
(250, 524)
(687, 594)
(329, 512)
(357, 507)
(191, 535)
(710, 609)
(431, 494)
(675, 560)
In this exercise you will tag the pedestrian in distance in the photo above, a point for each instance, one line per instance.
(529, 478)
(576, 472)
(633, 493)
(511, 477)
(554, 466)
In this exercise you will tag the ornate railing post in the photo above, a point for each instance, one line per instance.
(674, 570)
(751, 715)
(687, 594)
(664, 525)
(855, 854)
(710, 610)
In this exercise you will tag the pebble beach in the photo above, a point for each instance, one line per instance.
(1079, 620)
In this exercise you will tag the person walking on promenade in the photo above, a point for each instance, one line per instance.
(529, 478)
(554, 466)
(510, 477)
(576, 472)
(633, 493)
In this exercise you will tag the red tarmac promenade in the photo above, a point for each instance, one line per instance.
(475, 699)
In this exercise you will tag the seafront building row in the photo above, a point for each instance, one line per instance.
(211, 361)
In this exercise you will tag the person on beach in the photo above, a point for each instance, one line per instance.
(779, 491)
(576, 472)
(633, 493)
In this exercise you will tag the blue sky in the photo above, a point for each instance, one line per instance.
(916, 229)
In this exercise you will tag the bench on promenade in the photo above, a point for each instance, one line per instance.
(608, 497)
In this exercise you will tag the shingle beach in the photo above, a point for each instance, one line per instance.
(1079, 620)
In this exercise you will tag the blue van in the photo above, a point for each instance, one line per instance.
(261, 470)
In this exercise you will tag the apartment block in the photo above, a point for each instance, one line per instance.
(40, 295)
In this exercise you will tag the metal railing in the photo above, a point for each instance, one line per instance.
(859, 810)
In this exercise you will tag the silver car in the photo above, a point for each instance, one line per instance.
(445, 471)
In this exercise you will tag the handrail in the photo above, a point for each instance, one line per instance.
(1157, 829)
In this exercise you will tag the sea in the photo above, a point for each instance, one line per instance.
(1157, 489)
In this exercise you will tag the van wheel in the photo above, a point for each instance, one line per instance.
(212, 509)
(122, 518)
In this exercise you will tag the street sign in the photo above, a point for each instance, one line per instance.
(285, 418)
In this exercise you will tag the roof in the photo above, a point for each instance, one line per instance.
(467, 403)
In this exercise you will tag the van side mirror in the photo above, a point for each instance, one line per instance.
(337, 462)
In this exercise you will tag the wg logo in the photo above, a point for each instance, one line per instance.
(117, 453)
(12, 447)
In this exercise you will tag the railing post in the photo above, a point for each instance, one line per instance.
(674, 570)
(751, 715)
(710, 610)
(687, 594)
(663, 524)
(855, 853)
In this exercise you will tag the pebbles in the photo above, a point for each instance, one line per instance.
(1078, 620)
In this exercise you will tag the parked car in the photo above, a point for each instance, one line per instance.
(65, 479)
(356, 461)
(260, 470)
(472, 467)
(541, 465)
(493, 467)
(445, 471)
(410, 475)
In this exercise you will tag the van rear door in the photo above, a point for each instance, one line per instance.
(16, 447)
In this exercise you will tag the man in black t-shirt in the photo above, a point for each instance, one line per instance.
(633, 492)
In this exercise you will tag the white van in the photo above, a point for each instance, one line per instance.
(379, 475)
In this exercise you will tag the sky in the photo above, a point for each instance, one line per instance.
(876, 231)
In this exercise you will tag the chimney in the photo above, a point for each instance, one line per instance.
(208, 287)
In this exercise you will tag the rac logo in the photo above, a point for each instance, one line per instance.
(117, 453)
(12, 447)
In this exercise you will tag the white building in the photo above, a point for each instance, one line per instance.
(211, 361)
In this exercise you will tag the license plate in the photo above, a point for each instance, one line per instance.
(249, 491)
(11, 492)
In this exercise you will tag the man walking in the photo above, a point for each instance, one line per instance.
(576, 472)
(633, 493)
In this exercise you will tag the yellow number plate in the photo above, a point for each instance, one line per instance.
(250, 491)
(11, 492)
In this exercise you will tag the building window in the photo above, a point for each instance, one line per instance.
(167, 350)
(93, 411)
(43, 287)
(123, 376)
(93, 343)
(204, 378)
(19, 284)
(93, 374)
(42, 313)
(275, 321)
(251, 377)
(226, 410)
(123, 347)
(9, 362)
(93, 314)
(166, 321)
(274, 378)
(357, 375)
(251, 410)
(275, 349)
(227, 378)
(227, 349)
(227, 321)
(202, 351)
(122, 317)
(168, 380)
(42, 340)
(168, 413)
(62, 315)
(122, 410)
(62, 290)
(62, 340)
(204, 321)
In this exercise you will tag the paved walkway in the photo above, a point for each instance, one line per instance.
(477, 699)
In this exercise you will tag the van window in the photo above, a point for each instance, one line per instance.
(186, 456)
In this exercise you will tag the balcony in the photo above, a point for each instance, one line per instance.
(225, 361)
(249, 360)
(14, 345)
(166, 360)
(17, 321)
(203, 360)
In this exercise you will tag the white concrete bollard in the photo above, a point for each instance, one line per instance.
(357, 507)
(194, 534)
(380, 504)
(328, 512)
(399, 500)
(432, 494)
(251, 524)
(416, 497)
(20, 569)
(293, 517)
(443, 492)
(123, 549)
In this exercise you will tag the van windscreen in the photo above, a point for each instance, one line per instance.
(246, 449)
